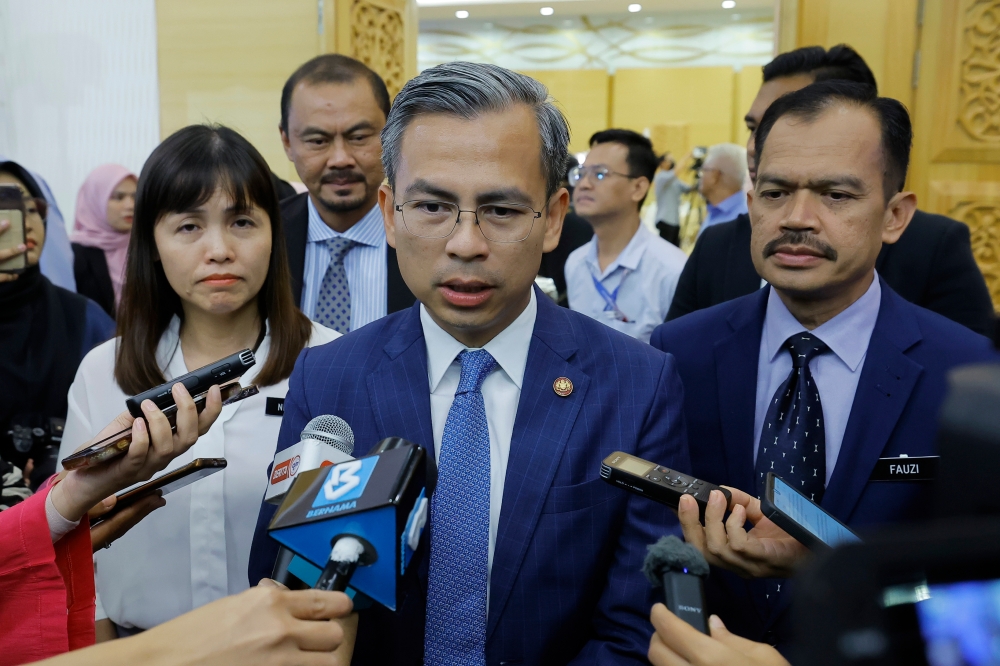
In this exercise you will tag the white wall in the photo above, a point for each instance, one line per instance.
(78, 88)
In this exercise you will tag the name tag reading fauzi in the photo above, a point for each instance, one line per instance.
(904, 468)
(275, 407)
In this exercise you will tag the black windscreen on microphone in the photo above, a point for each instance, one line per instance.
(680, 569)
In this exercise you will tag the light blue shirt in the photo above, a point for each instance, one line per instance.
(367, 275)
(56, 262)
(728, 209)
(646, 271)
(836, 372)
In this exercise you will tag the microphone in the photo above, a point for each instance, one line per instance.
(359, 522)
(680, 569)
(326, 440)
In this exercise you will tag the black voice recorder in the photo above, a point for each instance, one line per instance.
(661, 484)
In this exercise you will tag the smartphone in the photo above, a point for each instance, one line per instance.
(196, 382)
(658, 483)
(802, 518)
(118, 443)
(12, 210)
(167, 483)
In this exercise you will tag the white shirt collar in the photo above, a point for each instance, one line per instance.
(509, 347)
(628, 258)
(368, 231)
(843, 334)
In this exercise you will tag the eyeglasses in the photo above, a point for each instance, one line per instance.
(498, 222)
(578, 173)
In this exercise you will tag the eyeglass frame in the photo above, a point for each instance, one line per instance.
(475, 216)
(584, 169)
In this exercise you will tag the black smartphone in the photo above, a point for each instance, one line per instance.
(167, 483)
(662, 484)
(118, 443)
(802, 518)
(12, 210)
(197, 381)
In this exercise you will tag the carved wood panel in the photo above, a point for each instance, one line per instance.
(978, 206)
(378, 39)
(979, 88)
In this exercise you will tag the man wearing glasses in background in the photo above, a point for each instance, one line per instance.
(626, 275)
(531, 558)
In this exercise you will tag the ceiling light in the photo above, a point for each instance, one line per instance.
(461, 13)
(728, 4)
(635, 8)
(546, 11)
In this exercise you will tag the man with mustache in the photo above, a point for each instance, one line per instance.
(344, 274)
(532, 558)
(931, 264)
(825, 377)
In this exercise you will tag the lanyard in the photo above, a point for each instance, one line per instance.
(611, 298)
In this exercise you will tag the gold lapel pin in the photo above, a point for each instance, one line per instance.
(562, 386)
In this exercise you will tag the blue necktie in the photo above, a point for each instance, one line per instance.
(333, 305)
(793, 437)
(455, 633)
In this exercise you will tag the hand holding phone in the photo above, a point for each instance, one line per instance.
(154, 444)
(13, 251)
(802, 518)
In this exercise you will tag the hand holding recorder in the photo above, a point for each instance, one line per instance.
(153, 446)
(677, 643)
(763, 551)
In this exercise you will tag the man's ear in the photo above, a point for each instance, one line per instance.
(285, 143)
(640, 188)
(898, 214)
(387, 204)
(554, 215)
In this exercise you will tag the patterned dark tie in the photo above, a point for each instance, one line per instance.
(333, 304)
(793, 437)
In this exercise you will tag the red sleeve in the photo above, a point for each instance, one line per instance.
(46, 590)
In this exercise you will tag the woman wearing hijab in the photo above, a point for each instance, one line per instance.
(104, 209)
(45, 331)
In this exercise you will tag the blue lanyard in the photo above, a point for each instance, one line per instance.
(611, 298)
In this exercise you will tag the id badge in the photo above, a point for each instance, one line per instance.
(905, 468)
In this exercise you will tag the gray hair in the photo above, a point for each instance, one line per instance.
(468, 90)
(731, 161)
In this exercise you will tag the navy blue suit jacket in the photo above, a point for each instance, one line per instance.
(895, 410)
(566, 584)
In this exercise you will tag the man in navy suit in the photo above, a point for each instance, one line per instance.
(531, 558)
(828, 371)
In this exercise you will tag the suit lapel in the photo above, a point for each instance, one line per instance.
(295, 218)
(887, 379)
(736, 376)
(398, 388)
(541, 428)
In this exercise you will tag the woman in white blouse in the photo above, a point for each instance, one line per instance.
(206, 276)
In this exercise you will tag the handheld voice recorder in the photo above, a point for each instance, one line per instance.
(661, 484)
(196, 381)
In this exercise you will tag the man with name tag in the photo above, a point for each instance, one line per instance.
(827, 378)
(626, 275)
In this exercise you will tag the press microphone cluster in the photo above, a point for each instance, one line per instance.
(359, 522)
(681, 570)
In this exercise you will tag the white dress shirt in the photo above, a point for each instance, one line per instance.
(501, 392)
(647, 271)
(364, 264)
(196, 549)
(836, 372)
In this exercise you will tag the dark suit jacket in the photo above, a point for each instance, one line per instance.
(931, 265)
(900, 391)
(93, 280)
(566, 580)
(576, 232)
(295, 219)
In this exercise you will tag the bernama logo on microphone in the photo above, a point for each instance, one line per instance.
(345, 481)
